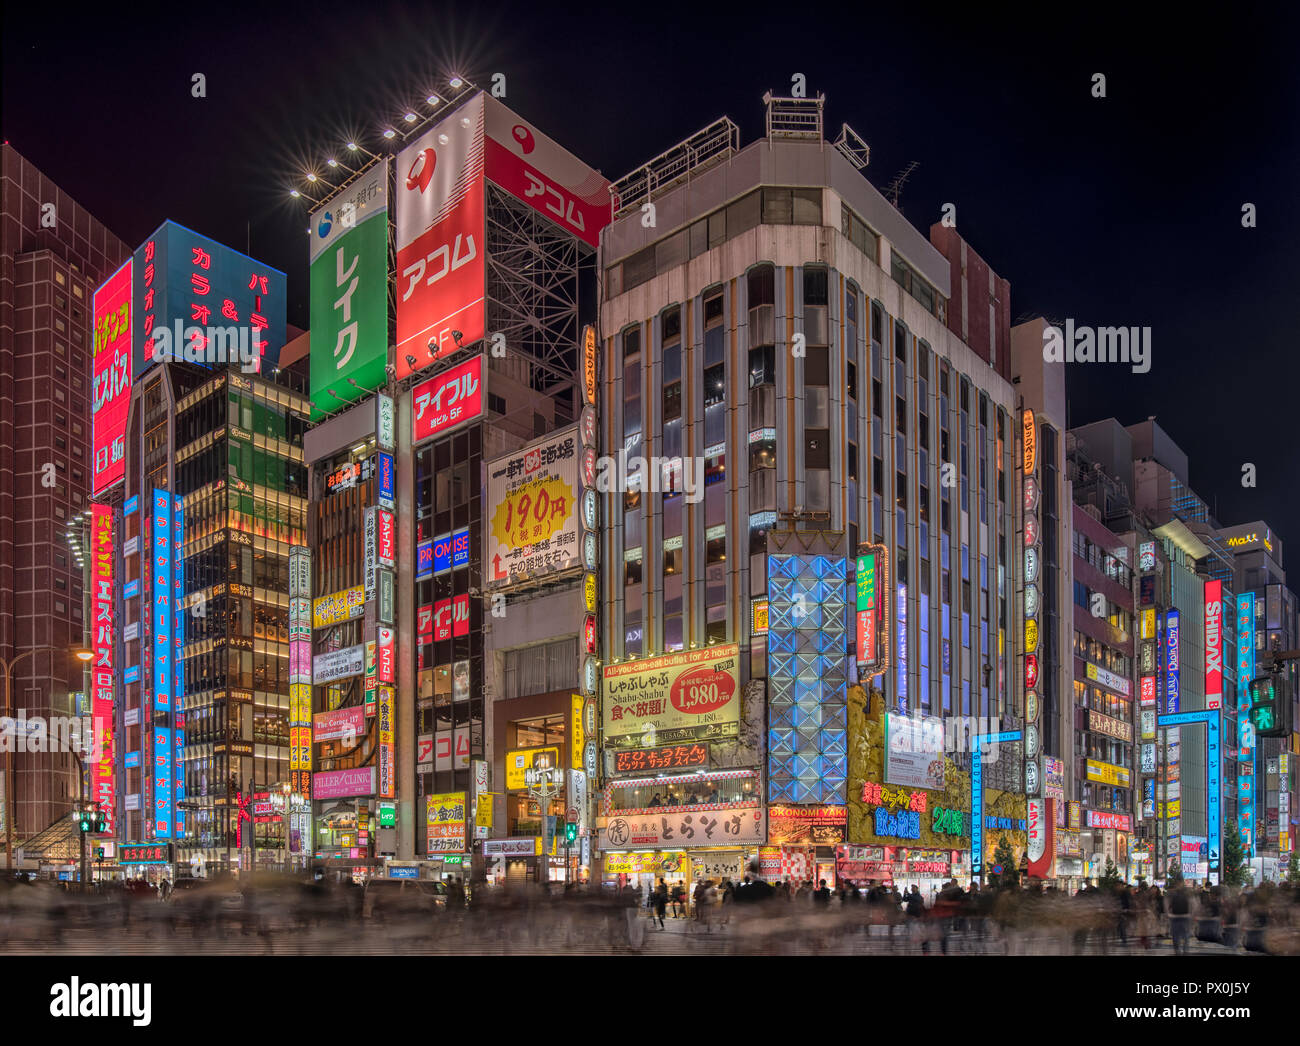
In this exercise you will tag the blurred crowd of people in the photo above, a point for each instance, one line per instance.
(750, 913)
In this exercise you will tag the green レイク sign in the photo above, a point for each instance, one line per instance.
(349, 293)
(387, 815)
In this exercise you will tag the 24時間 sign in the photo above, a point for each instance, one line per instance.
(533, 524)
(693, 695)
(448, 400)
(112, 379)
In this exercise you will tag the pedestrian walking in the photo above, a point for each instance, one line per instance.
(661, 902)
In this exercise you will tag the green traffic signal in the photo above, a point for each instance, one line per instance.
(1268, 706)
(570, 833)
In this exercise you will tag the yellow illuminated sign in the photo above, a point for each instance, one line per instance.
(520, 760)
(1106, 773)
(1030, 433)
(578, 738)
(758, 624)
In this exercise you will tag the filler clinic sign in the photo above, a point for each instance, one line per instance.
(112, 379)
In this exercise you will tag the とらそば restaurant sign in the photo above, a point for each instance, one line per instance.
(743, 825)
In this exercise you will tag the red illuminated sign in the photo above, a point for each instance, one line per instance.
(589, 633)
(112, 378)
(387, 540)
(460, 616)
(449, 400)
(386, 657)
(1104, 819)
(442, 619)
(676, 757)
(1213, 645)
(424, 623)
(441, 275)
(1148, 692)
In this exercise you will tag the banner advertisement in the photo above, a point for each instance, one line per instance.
(339, 664)
(914, 751)
(688, 696)
(341, 724)
(533, 508)
(343, 784)
(441, 276)
(744, 825)
(337, 607)
(387, 786)
(445, 823)
(349, 293)
(671, 862)
(111, 367)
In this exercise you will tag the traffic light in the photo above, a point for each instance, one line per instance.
(570, 833)
(1269, 707)
(84, 820)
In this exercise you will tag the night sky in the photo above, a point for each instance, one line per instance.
(1121, 211)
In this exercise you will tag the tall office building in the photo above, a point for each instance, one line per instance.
(200, 508)
(781, 386)
(53, 255)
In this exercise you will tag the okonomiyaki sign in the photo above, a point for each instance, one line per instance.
(689, 696)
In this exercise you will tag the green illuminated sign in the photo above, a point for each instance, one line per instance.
(867, 581)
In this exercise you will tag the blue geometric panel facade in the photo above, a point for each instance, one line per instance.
(807, 678)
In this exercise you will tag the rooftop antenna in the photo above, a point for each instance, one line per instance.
(894, 190)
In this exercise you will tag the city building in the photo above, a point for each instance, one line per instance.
(782, 389)
(1265, 615)
(53, 256)
(191, 538)
(480, 521)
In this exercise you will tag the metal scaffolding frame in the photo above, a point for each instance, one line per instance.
(532, 292)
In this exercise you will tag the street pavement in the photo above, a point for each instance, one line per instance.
(779, 936)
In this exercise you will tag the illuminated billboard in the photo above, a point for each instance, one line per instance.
(548, 178)
(533, 526)
(807, 669)
(441, 273)
(204, 302)
(1214, 645)
(111, 370)
(349, 292)
(692, 695)
(447, 401)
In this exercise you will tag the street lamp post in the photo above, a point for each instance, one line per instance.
(11, 792)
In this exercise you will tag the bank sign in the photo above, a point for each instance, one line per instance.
(349, 293)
